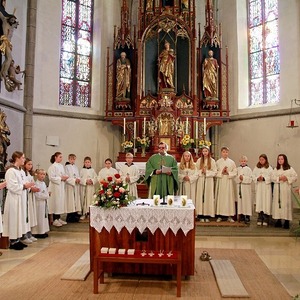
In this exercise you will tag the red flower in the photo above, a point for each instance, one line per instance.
(109, 178)
(117, 194)
(117, 176)
(105, 184)
(101, 192)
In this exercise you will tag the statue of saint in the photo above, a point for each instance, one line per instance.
(166, 67)
(4, 140)
(12, 72)
(210, 76)
(123, 77)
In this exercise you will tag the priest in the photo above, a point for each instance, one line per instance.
(162, 173)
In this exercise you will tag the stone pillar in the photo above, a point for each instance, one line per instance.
(29, 67)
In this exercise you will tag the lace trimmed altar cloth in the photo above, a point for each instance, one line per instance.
(143, 216)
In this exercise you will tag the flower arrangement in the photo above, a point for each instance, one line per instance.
(203, 143)
(112, 193)
(127, 145)
(187, 142)
(143, 142)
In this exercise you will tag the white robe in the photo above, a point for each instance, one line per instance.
(225, 187)
(41, 198)
(14, 215)
(188, 187)
(25, 203)
(282, 195)
(87, 191)
(244, 191)
(56, 202)
(105, 172)
(263, 190)
(73, 201)
(134, 176)
(31, 204)
(205, 196)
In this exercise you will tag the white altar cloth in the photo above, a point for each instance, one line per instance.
(144, 216)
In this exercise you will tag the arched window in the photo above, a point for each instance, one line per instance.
(264, 58)
(76, 53)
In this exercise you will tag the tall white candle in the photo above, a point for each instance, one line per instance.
(144, 126)
(196, 130)
(187, 125)
(204, 126)
(134, 129)
(124, 126)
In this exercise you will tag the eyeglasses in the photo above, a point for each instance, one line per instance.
(161, 147)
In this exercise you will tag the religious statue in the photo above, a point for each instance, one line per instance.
(165, 125)
(4, 140)
(185, 4)
(12, 71)
(149, 5)
(9, 23)
(166, 67)
(123, 77)
(210, 76)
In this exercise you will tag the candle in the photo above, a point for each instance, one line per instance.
(144, 127)
(134, 129)
(204, 126)
(196, 130)
(292, 123)
(124, 126)
(186, 125)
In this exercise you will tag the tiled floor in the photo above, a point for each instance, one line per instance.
(280, 254)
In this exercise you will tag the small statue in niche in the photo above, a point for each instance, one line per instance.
(165, 127)
(166, 67)
(149, 4)
(210, 76)
(4, 140)
(123, 77)
(12, 71)
(185, 4)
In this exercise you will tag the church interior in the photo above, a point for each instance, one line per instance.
(100, 78)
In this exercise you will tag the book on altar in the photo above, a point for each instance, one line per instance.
(166, 170)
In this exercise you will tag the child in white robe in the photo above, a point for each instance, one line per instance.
(130, 175)
(244, 190)
(107, 171)
(14, 223)
(225, 187)
(73, 201)
(187, 176)
(31, 202)
(88, 180)
(2, 186)
(283, 177)
(42, 227)
(57, 178)
(205, 196)
(263, 190)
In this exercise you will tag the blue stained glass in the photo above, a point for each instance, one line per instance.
(255, 13)
(68, 38)
(67, 64)
(256, 65)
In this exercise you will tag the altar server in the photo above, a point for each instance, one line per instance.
(225, 187)
(187, 176)
(244, 190)
(42, 227)
(130, 175)
(263, 199)
(57, 179)
(73, 201)
(283, 177)
(205, 196)
(107, 171)
(88, 180)
(14, 216)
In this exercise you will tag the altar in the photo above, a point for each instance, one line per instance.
(143, 226)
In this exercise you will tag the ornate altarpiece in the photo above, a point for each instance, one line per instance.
(166, 113)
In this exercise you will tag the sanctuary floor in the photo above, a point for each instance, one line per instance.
(280, 254)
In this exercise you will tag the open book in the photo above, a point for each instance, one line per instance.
(165, 169)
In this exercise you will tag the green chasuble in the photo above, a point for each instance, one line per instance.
(161, 184)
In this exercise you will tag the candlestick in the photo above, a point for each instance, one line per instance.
(124, 126)
(204, 126)
(134, 130)
(144, 127)
(186, 125)
(196, 130)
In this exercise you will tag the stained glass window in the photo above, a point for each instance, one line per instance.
(76, 53)
(264, 58)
